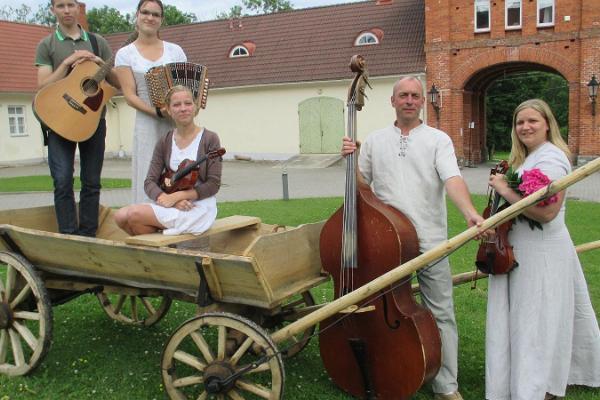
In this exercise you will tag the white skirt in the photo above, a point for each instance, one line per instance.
(195, 221)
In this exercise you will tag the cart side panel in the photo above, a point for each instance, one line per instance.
(289, 260)
(42, 218)
(236, 241)
(237, 280)
(106, 260)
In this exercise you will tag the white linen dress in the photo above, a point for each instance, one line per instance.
(541, 330)
(148, 129)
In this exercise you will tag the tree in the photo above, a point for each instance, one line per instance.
(20, 14)
(175, 17)
(24, 13)
(44, 16)
(108, 20)
(252, 7)
(505, 94)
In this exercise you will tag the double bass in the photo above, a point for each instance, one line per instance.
(390, 348)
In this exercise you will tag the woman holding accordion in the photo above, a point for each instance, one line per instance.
(132, 62)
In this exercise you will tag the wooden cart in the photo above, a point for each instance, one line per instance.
(240, 265)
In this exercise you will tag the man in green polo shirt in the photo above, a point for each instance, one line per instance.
(56, 55)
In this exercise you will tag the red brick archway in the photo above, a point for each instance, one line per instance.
(462, 64)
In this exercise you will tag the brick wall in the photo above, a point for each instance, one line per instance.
(462, 64)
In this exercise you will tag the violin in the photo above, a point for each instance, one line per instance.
(186, 175)
(388, 349)
(495, 255)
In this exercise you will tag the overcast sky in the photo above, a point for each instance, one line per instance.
(204, 9)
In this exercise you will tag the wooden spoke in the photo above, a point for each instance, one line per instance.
(233, 395)
(207, 335)
(235, 358)
(126, 308)
(261, 368)
(26, 335)
(202, 346)
(17, 348)
(256, 389)
(188, 381)
(134, 313)
(222, 342)
(23, 294)
(26, 340)
(203, 396)
(120, 303)
(3, 345)
(11, 276)
(149, 307)
(28, 315)
(189, 359)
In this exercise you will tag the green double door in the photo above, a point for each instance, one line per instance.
(321, 125)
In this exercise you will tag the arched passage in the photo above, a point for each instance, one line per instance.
(474, 104)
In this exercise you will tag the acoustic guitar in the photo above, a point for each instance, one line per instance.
(72, 106)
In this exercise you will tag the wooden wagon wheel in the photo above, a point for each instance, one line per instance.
(196, 363)
(25, 316)
(134, 310)
(298, 342)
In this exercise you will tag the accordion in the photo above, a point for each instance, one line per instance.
(162, 78)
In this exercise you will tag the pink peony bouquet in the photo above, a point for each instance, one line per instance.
(533, 180)
(530, 182)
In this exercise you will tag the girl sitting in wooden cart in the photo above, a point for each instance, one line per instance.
(187, 205)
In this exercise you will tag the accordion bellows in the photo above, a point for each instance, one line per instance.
(162, 78)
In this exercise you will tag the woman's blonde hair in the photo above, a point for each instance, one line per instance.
(518, 151)
(177, 89)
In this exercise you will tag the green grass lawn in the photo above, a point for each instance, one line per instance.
(43, 183)
(93, 357)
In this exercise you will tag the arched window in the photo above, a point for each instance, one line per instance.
(365, 39)
(239, 51)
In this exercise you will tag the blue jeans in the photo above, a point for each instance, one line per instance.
(61, 160)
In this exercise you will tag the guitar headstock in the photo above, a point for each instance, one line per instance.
(356, 92)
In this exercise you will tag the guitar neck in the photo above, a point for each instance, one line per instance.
(100, 75)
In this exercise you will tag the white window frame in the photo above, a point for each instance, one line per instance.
(16, 120)
(364, 39)
(489, 9)
(242, 51)
(506, 4)
(544, 24)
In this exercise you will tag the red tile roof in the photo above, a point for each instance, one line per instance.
(17, 52)
(313, 44)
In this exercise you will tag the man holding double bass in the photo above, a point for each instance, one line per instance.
(409, 165)
(56, 55)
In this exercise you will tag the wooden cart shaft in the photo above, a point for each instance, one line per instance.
(440, 251)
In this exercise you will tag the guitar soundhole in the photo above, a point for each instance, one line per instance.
(90, 87)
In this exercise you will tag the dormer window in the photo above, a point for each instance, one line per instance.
(239, 51)
(365, 39)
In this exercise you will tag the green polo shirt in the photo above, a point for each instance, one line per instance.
(56, 47)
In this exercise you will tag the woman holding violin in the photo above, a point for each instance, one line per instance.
(542, 333)
(190, 208)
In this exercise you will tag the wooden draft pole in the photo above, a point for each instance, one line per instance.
(465, 277)
(439, 251)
